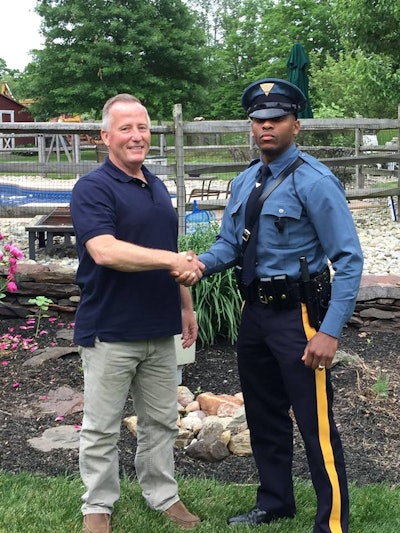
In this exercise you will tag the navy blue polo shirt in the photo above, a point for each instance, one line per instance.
(124, 306)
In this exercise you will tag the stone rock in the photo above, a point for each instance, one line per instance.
(210, 402)
(207, 450)
(55, 438)
(192, 423)
(228, 410)
(185, 396)
(62, 401)
(225, 436)
(66, 334)
(59, 275)
(240, 444)
(211, 430)
(131, 423)
(372, 312)
(216, 422)
(53, 352)
(13, 310)
(192, 407)
(342, 357)
(185, 437)
(238, 421)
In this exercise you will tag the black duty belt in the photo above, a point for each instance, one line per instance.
(281, 292)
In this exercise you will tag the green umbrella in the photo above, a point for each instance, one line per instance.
(297, 74)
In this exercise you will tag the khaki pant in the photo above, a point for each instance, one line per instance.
(148, 370)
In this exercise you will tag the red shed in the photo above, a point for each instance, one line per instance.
(13, 111)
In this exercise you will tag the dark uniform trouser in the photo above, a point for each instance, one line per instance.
(273, 378)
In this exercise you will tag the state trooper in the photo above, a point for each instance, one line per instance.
(299, 265)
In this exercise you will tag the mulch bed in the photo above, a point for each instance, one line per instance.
(369, 420)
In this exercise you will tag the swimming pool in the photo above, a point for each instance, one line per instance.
(12, 195)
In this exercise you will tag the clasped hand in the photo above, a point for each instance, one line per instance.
(188, 270)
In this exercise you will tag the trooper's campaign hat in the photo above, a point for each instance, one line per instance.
(272, 98)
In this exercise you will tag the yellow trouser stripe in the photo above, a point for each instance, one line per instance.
(324, 434)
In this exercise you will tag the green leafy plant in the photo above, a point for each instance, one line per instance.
(42, 306)
(381, 387)
(216, 298)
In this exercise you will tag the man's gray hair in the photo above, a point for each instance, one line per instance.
(123, 97)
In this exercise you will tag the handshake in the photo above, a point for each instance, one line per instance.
(188, 269)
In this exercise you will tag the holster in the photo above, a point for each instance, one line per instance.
(316, 294)
(281, 293)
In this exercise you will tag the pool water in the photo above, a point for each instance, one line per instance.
(13, 195)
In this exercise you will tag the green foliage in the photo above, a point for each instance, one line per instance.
(42, 306)
(203, 53)
(27, 507)
(381, 387)
(372, 26)
(356, 84)
(216, 299)
(150, 49)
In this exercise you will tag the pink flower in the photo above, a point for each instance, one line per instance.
(12, 287)
(16, 385)
(59, 418)
(4, 363)
(14, 251)
(12, 270)
(78, 427)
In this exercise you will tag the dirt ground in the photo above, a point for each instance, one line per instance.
(366, 405)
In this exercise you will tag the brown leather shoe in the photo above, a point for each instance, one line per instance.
(96, 523)
(181, 516)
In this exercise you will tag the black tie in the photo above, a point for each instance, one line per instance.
(251, 223)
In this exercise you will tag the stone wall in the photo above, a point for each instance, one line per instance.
(377, 309)
(33, 280)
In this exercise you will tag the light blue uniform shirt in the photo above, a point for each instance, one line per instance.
(317, 224)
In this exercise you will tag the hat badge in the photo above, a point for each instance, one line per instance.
(266, 88)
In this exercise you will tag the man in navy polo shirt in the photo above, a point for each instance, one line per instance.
(130, 309)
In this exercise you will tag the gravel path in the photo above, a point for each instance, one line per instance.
(378, 233)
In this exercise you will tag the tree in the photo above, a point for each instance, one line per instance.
(371, 25)
(94, 49)
(252, 39)
(357, 84)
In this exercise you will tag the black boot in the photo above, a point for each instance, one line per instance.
(257, 516)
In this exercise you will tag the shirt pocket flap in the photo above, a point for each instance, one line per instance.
(280, 210)
(233, 209)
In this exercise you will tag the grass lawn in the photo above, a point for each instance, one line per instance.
(35, 504)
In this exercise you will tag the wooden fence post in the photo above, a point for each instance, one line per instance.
(180, 168)
(359, 175)
(398, 163)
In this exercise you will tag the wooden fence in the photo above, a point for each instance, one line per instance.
(360, 160)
